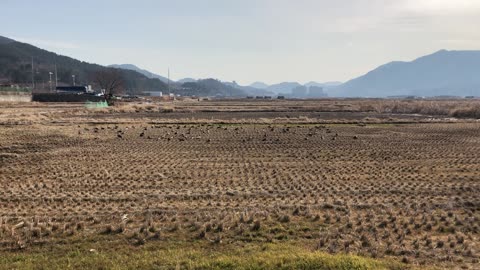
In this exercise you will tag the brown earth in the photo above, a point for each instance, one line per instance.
(368, 183)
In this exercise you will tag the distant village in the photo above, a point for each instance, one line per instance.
(52, 91)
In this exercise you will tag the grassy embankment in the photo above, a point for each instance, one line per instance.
(197, 255)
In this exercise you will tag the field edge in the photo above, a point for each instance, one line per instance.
(188, 255)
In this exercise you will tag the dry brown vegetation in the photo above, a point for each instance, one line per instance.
(406, 189)
(454, 108)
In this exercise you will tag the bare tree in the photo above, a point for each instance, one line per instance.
(111, 82)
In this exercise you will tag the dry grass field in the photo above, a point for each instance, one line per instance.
(239, 184)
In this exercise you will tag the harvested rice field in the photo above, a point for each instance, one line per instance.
(212, 185)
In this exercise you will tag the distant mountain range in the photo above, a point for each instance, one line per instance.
(209, 87)
(185, 80)
(249, 90)
(254, 89)
(283, 88)
(259, 85)
(444, 73)
(452, 73)
(147, 73)
(324, 85)
(286, 88)
(447, 73)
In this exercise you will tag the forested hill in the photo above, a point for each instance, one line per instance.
(210, 87)
(16, 61)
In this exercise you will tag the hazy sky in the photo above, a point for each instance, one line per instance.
(246, 40)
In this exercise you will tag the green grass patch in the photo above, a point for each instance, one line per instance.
(175, 255)
(14, 89)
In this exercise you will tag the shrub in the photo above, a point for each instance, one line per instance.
(467, 112)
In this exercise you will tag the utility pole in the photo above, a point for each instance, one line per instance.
(56, 77)
(50, 82)
(33, 76)
(168, 81)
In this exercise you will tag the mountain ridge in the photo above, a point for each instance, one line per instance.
(16, 67)
(5, 40)
(259, 85)
(440, 73)
(185, 80)
(445, 72)
(145, 72)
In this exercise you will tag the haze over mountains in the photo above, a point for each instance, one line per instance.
(325, 85)
(185, 80)
(452, 73)
(259, 85)
(257, 88)
(444, 73)
(141, 71)
(287, 87)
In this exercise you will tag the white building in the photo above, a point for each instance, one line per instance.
(154, 93)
